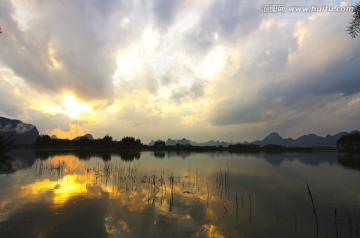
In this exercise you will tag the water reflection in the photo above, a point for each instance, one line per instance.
(21, 159)
(6, 164)
(349, 160)
(206, 195)
(16, 160)
(313, 159)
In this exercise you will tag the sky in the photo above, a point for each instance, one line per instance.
(158, 69)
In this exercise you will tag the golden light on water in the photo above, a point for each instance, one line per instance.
(64, 179)
(70, 162)
(63, 189)
(68, 187)
(37, 187)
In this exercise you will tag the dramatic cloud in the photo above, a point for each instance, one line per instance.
(156, 69)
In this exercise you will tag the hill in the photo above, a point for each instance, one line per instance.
(17, 131)
(310, 140)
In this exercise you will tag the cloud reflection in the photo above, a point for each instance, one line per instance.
(173, 197)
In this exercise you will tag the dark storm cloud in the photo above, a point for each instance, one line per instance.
(304, 94)
(238, 115)
(341, 78)
(295, 75)
(234, 111)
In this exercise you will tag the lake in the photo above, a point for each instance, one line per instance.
(179, 194)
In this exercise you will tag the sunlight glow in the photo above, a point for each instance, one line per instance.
(68, 105)
(127, 64)
(73, 131)
(73, 108)
(213, 62)
(149, 38)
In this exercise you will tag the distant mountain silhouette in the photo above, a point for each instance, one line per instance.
(310, 140)
(174, 142)
(22, 133)
(19, 132)
(88, 136)
(273, 138)
(213, 143)
(170, 142)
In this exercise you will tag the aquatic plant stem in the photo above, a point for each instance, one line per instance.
(314, 210)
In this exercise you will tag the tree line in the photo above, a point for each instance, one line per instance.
(106, 142)
(347, 143)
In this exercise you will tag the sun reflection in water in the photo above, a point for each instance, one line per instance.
(177, 198)
(68, 187)
(62, 190)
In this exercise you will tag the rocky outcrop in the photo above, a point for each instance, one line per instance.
(17, 131)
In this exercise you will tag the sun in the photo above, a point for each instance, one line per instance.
(67, 105)
(74, 108)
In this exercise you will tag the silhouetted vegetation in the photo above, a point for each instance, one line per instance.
(349, 142)
(84, 147)
(129, 142)
(46, 141)
(354, 27)
(107, 141)
(43, 140)
(244, 147)
(159, 143)
(273, 148)
(83, 141)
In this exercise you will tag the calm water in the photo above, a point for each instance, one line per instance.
(169, 194)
